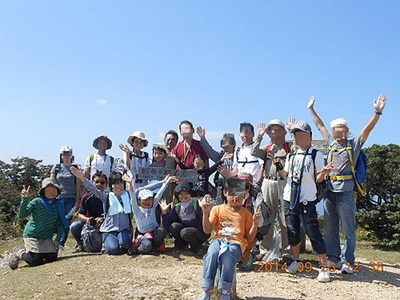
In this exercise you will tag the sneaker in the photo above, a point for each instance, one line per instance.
(161, 248)
(14, 258)
(204, 295)
(334, 265)
(246, 266)
(224, 297)
(292, 268)
(347, 269)
(78, 248)
(148, 235)
(324, 275)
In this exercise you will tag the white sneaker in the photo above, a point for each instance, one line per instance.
(324, 275)
(292, 268)
(347, 269)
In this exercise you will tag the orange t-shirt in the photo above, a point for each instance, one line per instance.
(231, 225)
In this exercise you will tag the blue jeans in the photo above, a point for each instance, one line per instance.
(68, 203)
(76, 230)
(226, 263)
(307, 215)
(340, 207)
(114, 240)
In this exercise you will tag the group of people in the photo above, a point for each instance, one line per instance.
(253, 187)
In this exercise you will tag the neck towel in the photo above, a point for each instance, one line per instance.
(115, 205)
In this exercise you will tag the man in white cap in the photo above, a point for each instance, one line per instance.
(269, 181)
(339, 204)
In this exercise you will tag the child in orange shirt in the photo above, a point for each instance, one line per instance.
(234, 226)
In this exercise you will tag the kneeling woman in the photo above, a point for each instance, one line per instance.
(47, 214)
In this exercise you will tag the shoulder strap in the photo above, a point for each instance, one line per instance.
(111, 162)
(313, 156)
(91, 157)
(57, 169)
(177, 208)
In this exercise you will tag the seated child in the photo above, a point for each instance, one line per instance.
(254, 199)
(148, 235)
(234, 226)
(184, 220)
(47, 215)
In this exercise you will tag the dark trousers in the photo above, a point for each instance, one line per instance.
(35, 259)
(187, 235)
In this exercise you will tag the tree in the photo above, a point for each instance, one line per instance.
(22, 171)
(379, 210)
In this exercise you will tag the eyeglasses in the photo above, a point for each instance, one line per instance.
(100, 182)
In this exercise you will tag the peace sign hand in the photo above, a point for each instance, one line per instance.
(257, 215)
(25, 191)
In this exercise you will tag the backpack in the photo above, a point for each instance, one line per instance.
(321, 186)
(91, 237)
(263, 227)
(358, 170)
(195, 205)
(111, 161)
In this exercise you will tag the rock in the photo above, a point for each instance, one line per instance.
(69, 282)
(59, 274)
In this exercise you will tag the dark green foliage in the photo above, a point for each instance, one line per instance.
(379, 210)
(22, 171)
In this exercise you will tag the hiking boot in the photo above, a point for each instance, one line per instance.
(161, 248)
(347, 269)
(292, 268)
(137, 241)
(324, 275)
(204, 295)
(16, 256)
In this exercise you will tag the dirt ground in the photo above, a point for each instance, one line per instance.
(170, 276)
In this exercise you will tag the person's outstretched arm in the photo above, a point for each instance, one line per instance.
(379, 105)
(317, 120)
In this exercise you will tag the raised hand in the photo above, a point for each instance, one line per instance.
(25, 191)
(311, 102)
(124, 148)
(171, 179)
(201, 132)
(164, 206)
(223, 171)
(380, 103)
(261, 128)
(226, 156)
(290, 123)
(205, 204)
(78, 174)
(257, 215)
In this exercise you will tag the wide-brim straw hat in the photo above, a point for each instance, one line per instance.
(140, 135)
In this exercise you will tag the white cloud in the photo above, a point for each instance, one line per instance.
(102, 102)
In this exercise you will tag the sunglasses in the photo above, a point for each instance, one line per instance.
(100, 182)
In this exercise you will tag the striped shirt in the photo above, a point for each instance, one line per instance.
(40, 225)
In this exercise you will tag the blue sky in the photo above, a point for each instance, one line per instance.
(73, 70)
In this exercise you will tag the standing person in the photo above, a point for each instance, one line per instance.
(46, 216)
(186, 150)
(137, 158)
(91, 208)
(243, 160)
(228, 145)
(270, 182)
(339, 204)
(69, 187)
(100, 161)
(234, 227)
(184, 220)
(170, 141)
(302, 170)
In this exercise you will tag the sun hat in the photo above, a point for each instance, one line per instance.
(145, 194)
(341, 121)
(300, 126)
(275, 122)
(49, 181)
(66, 150)
(96, 141)
(137, 134)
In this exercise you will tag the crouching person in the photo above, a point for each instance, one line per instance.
(184, 220)
(234, 226)
(149, 235)
(47, 214)
(86, 230)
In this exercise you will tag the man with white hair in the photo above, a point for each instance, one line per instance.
(339, 204)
